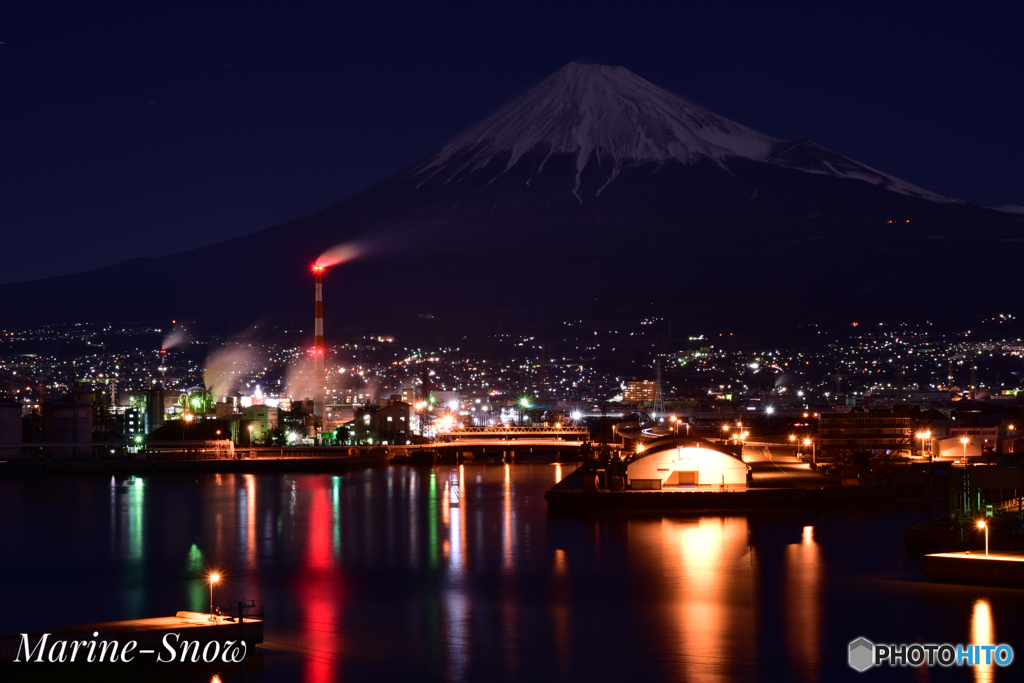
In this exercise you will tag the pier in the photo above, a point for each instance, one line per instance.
(977, 568)
(148, 636)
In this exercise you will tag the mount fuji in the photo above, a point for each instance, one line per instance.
(594, 195)
(611, 117)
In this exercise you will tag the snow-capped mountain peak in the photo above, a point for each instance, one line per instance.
(611, 116)
(607, 111)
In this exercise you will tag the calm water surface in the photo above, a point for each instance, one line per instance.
(376, 576)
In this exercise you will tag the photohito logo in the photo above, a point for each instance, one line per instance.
(863, 654)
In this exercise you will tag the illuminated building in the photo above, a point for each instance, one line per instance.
(674, 464)
(262, 418)
(640, 392)
(848, 433)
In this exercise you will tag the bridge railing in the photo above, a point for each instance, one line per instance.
(518, 432)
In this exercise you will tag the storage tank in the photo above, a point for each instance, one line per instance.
(10, 428)
(65, 421)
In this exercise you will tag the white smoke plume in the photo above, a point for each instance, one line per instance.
(177, 337)
(227, 365)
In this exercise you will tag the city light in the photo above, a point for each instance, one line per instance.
(214, 578)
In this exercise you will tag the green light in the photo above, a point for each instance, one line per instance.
(138, 438)
(432, 554)
(524, 402)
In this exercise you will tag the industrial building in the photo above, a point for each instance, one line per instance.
(68, 421)
(10, 428)
(389, 421)
(841, 434)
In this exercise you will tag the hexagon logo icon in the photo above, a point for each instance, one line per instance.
(862, 654)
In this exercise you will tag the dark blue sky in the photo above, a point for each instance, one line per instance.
(145, 128)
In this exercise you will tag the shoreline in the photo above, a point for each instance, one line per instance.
(205, 465)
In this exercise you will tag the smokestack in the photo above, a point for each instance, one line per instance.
(319, 378)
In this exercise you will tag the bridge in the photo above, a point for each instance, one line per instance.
(558, 441)
(516, 433)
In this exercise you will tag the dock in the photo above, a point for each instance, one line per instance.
(151, 638)
(975, 568)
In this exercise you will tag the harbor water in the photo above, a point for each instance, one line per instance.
(460, 573)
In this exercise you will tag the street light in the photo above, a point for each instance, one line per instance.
(808, 442)
(214, 578)
(983, 525)
(964, 441)
(924, 435)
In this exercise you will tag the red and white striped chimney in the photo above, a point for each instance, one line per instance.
(319, 377)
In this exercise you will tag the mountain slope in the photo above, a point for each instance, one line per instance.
(594, 195)
(612, 117)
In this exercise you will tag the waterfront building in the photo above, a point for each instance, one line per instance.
(687, 464)
(389, 421)
(841, 434)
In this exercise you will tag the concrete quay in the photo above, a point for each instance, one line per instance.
(976, 568)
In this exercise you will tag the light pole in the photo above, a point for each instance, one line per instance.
(214, 578)
(964, 441)
(983, 525)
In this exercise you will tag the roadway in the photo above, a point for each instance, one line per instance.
(777, 467)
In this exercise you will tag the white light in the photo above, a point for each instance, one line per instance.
(770, 410)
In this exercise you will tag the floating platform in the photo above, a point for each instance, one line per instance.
(148, 635)
(975, 568)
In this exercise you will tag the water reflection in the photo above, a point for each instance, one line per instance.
(378, 575)
(127, 518)
(706, 576)
(802, 602)
(247, 520)
(319, 591)
(506, 527)
(983, 633)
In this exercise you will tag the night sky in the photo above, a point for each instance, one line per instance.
(146, 128)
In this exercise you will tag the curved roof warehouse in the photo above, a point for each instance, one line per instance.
(686, 464)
